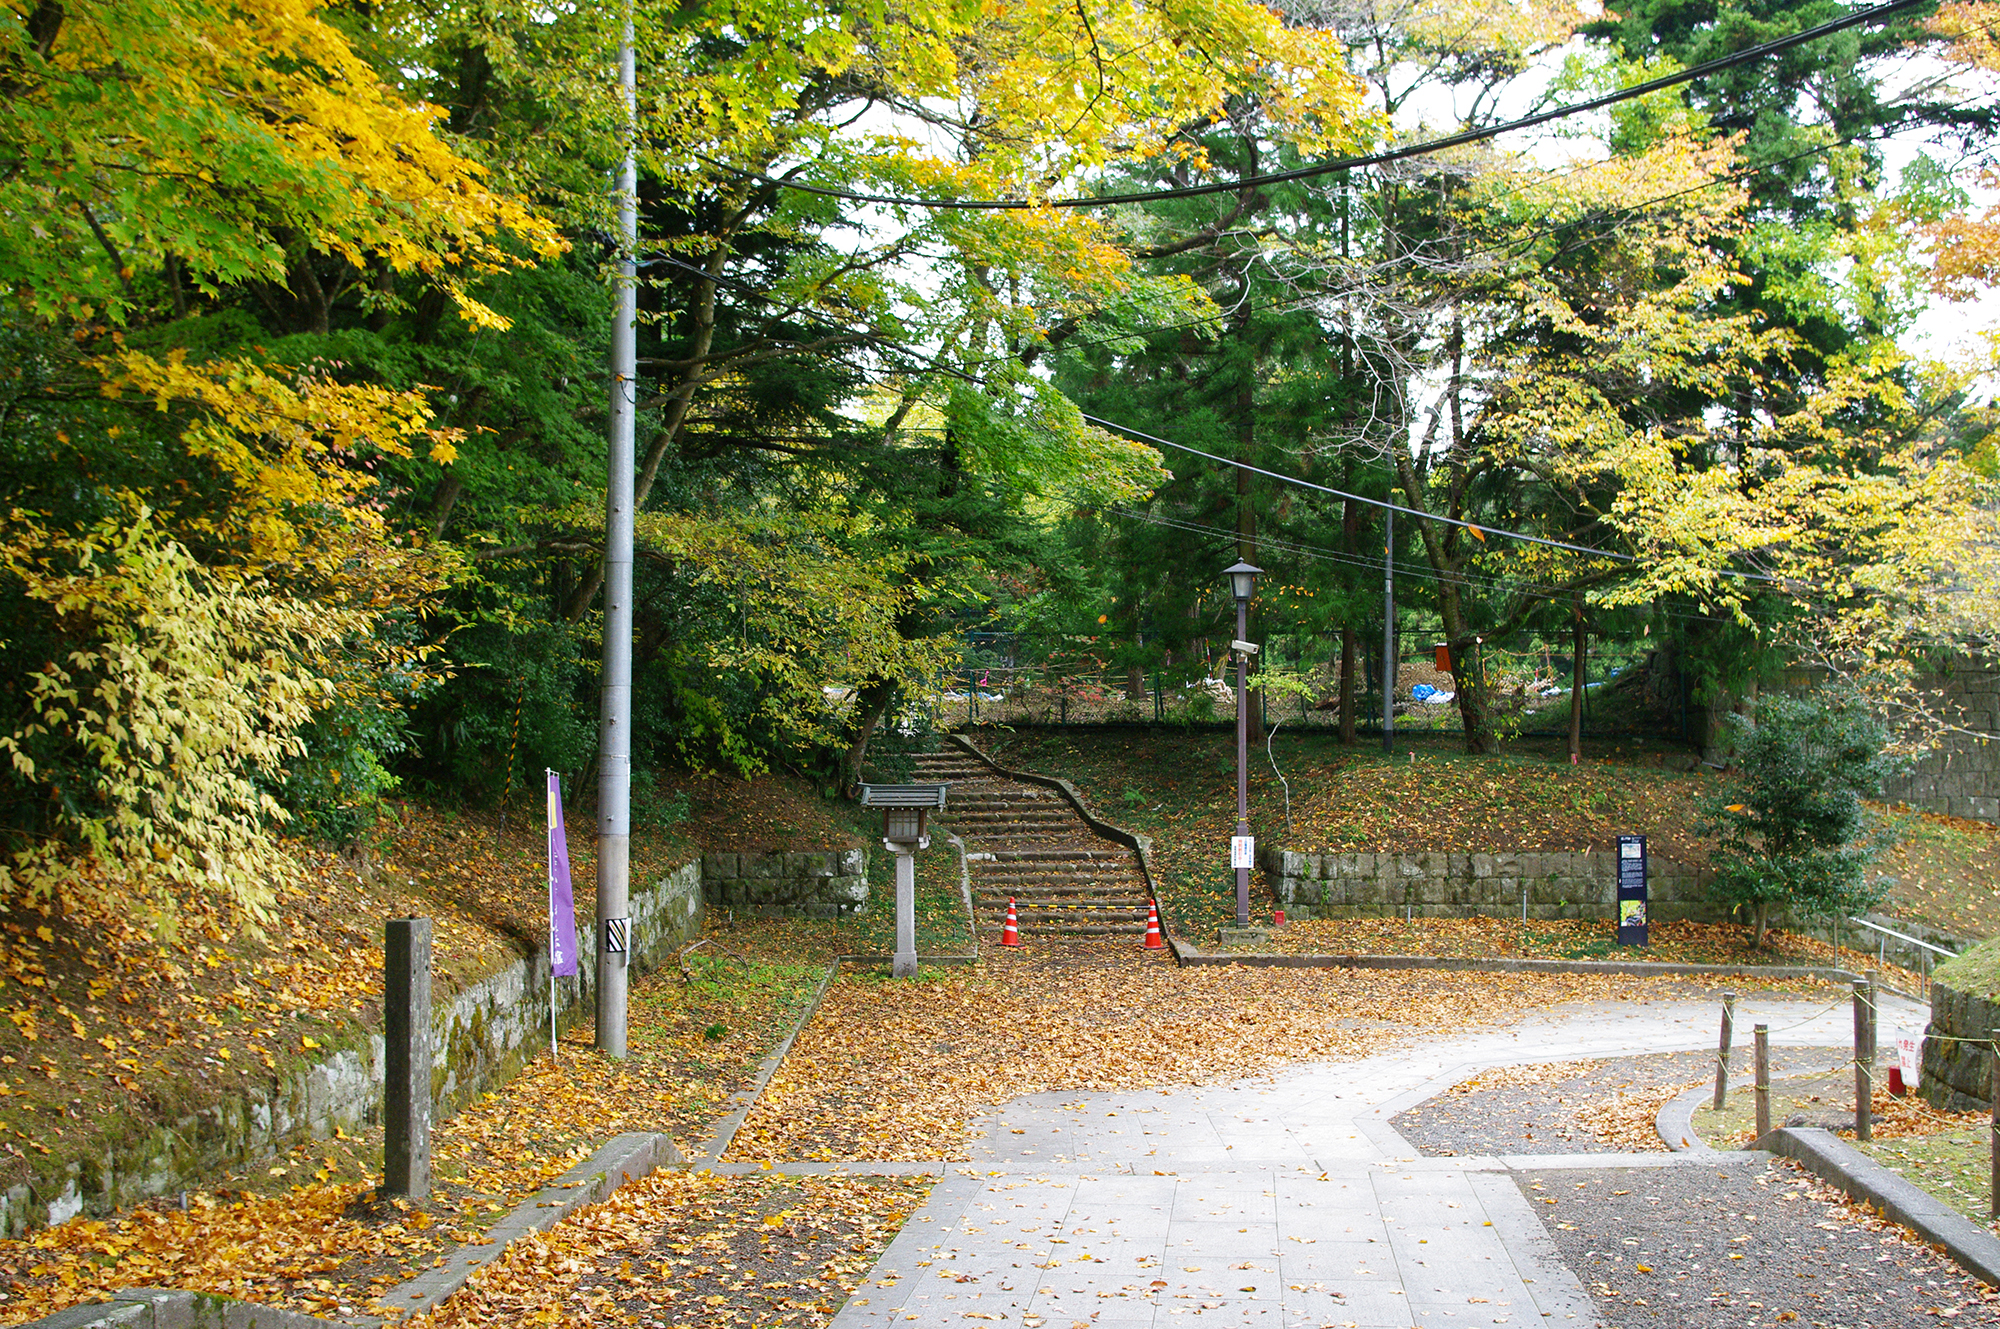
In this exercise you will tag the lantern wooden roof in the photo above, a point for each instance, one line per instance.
(903, 795)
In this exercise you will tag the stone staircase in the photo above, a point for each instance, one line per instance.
(1025, 843)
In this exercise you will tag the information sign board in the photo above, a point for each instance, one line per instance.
(1631, 890)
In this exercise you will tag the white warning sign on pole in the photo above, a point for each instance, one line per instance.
(1908, 1050)
(1242, 851)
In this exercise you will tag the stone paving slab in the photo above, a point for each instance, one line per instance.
(1283, 1203)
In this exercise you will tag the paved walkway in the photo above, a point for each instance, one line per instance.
(1281, 1202)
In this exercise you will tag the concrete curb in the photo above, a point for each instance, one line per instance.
(1675, 1122)
(725, 1133)
(1827, 1157)
(621, 1159)
(1137, 843)
(169, 1308)
(1501, 965)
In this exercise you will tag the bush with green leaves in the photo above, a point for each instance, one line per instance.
(1793, 833)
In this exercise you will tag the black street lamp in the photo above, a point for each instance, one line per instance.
(1242, 584)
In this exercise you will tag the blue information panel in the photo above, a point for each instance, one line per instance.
(1631, 890)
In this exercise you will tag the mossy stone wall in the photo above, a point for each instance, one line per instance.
(1965, 1009)
(1558, 885)
(480, 1037)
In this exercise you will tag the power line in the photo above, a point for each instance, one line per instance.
(1404, 567)
(1749, 54)
(1480, 531)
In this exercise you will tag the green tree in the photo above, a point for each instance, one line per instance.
(1793, 833)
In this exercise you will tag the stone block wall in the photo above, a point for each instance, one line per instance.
(1957, 1065)
(479, 1037)
(831, 883)
(1961, 778)
(1558, 885)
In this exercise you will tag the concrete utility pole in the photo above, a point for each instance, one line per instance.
(1389, 630)
(614, 726)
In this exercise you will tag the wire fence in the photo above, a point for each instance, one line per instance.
(1520, 700)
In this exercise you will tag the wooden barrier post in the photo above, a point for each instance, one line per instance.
(1722, 1053)
(1760, 1036)
(406, 1078)
(1864, 1059)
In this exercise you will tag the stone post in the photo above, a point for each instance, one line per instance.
(406, 1078)
(905, 963)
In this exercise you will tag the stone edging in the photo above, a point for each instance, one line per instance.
(1503, 965)
(725, 1132)
(1829, 1158)
(1137, 843)
(624, 1158)
(171, 1308)
(1675, 1122)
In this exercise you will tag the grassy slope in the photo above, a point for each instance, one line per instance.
(212, 1015)
(107, 1037)
(1179, 787)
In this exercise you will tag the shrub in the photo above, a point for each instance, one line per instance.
(1793, 831)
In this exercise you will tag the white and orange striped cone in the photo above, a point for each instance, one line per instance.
(1010, 935)
(1153, 941)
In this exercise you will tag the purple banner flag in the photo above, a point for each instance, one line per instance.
(562, 908)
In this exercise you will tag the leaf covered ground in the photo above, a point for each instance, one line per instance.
(306, 1233)
(890, 1071)
(113, 1035)
(695, 1249)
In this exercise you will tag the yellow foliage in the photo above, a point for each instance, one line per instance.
(223, 135)
(182, 688)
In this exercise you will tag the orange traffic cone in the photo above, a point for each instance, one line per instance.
(1153, 940)
(1011, 934)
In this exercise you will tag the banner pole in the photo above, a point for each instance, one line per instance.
(555, 1058)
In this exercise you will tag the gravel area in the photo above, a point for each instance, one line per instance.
(1718, 1248)
(1574, 1107)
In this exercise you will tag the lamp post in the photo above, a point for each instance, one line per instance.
(1242, 584)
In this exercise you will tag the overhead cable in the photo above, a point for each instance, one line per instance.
(1748, 55)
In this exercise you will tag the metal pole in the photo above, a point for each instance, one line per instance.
(614, 726)
(1760, 1037)
(1722, 1053)
(1389, 631)
(1242, 760)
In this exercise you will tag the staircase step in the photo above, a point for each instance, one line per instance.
(1123, 894)
(1066, 882)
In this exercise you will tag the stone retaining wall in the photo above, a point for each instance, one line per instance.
(1558, 885)
(1961, 776)
(1957, 1065)
(480, 1037)
(829, 883)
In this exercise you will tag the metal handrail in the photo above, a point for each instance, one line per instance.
(1902, 936)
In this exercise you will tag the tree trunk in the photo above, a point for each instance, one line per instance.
(1577, 664)
(871, 703)
(1760, 923)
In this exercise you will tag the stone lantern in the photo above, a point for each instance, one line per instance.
(906, 809)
